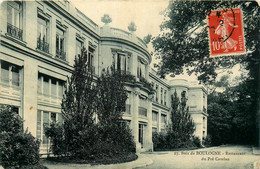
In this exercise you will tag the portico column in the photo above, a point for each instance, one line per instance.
(149, 142)
(159, 121)
(135, 104)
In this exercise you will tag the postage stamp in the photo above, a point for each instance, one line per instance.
(226, 36)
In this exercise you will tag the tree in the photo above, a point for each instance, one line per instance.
(184, 41)
(181, 128)
(18, 148)
(184, 44)
(219, 124)
(78, 103)
(231, 119)
(111, 97)
(147, 38)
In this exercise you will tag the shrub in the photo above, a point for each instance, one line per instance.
(197, 141)
(207, 141)
(56, 134)
(17, 148)
(159, 141)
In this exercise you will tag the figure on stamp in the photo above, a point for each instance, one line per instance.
(228, 43)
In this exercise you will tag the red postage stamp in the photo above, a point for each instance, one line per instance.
(226, 36)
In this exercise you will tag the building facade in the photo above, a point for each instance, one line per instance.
(39, 41)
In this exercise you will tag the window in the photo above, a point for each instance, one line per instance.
(5, 72)
(161, 95)
(155, 116)
(43, 34)
(14, 19)
(91, 67)
(50, 86)
(156, 93)
(54, 85)
(44, 119)
(60, 88)
(163, 118)
(165, 93)
(60, 44)
(10, 74)
(79, 45)
(204, 122)
(46, 86)
(140, 68)
(121, 62)
(142, 111)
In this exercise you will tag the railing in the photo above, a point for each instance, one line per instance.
(42, 45)
(146, 83)
(61, 54)
(114, 32)
(14, 31)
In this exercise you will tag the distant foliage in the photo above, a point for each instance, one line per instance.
(18, 149)
(232, 119)
(147, 38)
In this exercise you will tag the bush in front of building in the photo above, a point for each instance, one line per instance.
(56, 134)
(197, 141)
(94, 143)
(79, 138)
(18, 149)
(180, 132)
(207, 141)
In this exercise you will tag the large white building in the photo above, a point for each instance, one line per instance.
(39, 41)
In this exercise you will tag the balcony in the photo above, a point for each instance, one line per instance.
(14, 31)
(60, 54)
(146, 83)
(42, 45)
(107, 31)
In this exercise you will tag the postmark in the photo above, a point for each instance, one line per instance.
(226, 36)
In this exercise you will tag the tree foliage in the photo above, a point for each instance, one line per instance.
(180, 132)
(78, 102)
(111, 97)
(181, 125)
(231, 114)
(80, 137)
(184, 43)
(18, 148)
(147, 38)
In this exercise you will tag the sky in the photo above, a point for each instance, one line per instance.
(144, 13)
